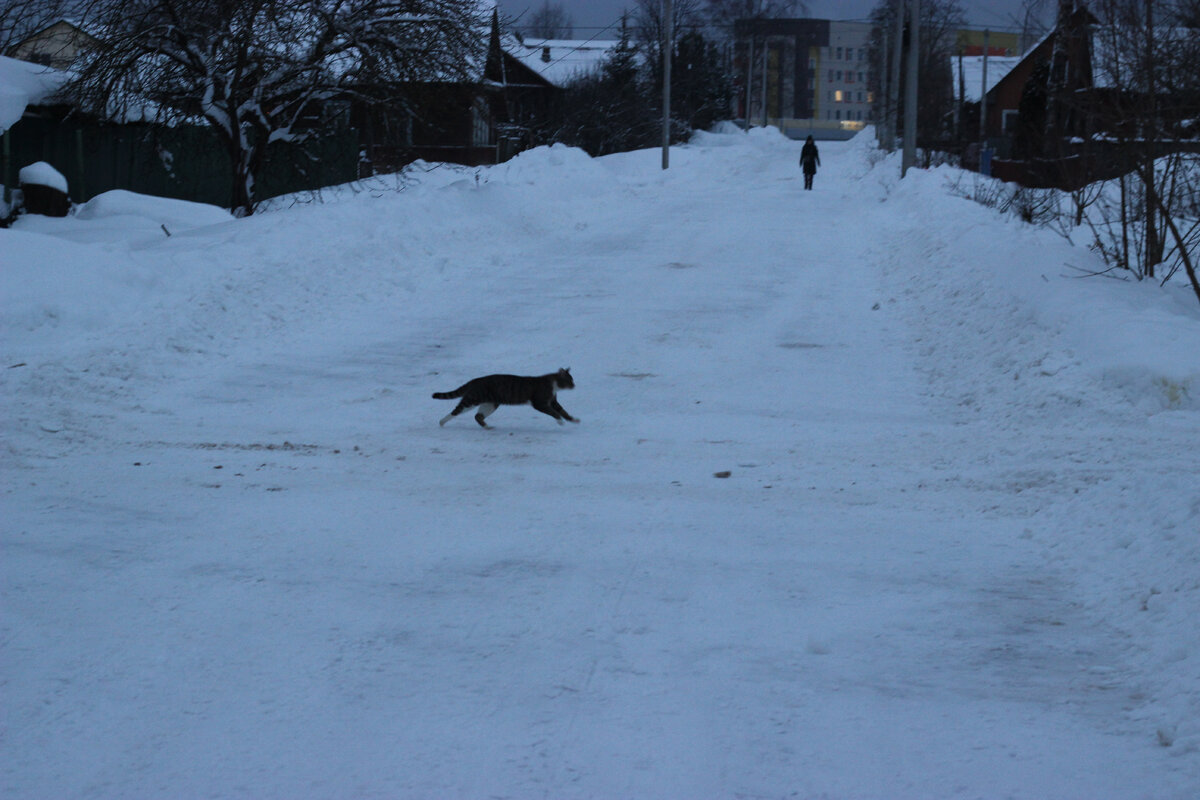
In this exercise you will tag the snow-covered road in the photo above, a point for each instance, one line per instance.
(957, 553)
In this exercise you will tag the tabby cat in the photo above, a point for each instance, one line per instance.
(492, 391)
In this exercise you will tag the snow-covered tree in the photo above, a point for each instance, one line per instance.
(609, 110)
(258, 71)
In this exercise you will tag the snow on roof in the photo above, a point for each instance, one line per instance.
(1116, 57)
(560, 60)
(972, 74)
(22, 84)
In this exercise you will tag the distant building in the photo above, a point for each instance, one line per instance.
(805, 76)
(972, 42)
(57, 45)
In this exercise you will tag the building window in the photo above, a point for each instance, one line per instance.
(838, 96)
(839, 54)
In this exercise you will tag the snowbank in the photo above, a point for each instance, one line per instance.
(21, 84)
(549, 162)
(54, 290)
(1138, 338)
(176, 215)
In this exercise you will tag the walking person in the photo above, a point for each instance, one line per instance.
(810, 159)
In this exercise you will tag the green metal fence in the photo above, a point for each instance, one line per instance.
(185, 162)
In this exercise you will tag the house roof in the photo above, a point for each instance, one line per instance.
(1115, 59)
(560, 60)
(972, 74)
(23, 84)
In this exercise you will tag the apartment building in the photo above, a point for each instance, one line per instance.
(806, 76)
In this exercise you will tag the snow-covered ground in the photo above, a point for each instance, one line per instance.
(957, 553)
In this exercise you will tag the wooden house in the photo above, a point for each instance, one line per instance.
(484, 120)
(1070, 112)
(57, 45)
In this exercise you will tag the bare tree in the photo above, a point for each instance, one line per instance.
(259, 71)
(1148, 69)
(1030, 20)
(699, 84)
(20, 19)
(1187, 13)
(649, 23)
(940, 22)
(550, 21)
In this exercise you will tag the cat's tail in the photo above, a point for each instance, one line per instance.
(448, 395)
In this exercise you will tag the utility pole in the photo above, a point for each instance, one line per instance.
(909, 158)
(749, 77)
(882, 124)
(893, 102)
(1150, 134)
(983, 92)
(766, 52)
(962, 98)
(667, 54)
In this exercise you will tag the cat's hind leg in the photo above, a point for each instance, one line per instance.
(485, 410)
(458, 409)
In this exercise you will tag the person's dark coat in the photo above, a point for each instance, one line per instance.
(810, 159)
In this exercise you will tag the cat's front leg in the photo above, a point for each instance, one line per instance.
(562, 412)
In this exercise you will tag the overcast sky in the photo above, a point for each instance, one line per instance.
(589, 16)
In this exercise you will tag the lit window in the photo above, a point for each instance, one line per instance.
(837, 96)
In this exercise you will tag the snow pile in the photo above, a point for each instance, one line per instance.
(176, 215)
(1139, 339)
(549, 163)
(951, 552)
(42, 174)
